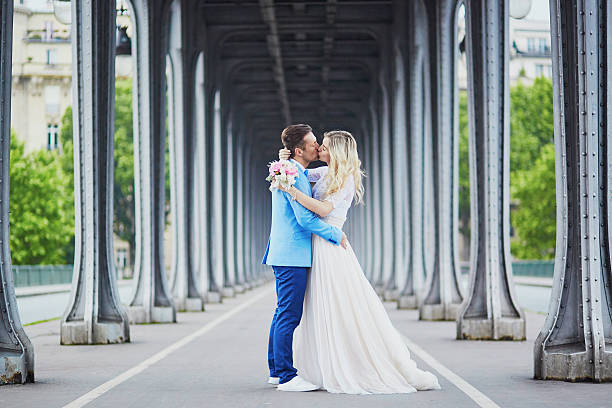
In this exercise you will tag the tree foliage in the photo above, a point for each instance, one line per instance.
(41, 212)
(534, 218)
(532, 171)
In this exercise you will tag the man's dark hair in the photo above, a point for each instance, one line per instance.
(293, 137)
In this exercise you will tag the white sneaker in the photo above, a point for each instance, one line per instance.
(273, 380)
(298, 384)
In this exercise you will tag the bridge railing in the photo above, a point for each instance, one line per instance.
(539, 269)
(36, 275)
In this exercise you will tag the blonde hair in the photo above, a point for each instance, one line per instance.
(343, 163)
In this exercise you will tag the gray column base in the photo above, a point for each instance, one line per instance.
(239, 288)
(138, 315)
(228, 292)
(391, 295)
(13, 368)
(248, 286)
(439, 312)
(484, 329)
(189, 304)
(213, 297)
(72, 333)
(571, 362)
(408, 302)
(380, 290)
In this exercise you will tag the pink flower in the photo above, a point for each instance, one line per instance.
(275, 167)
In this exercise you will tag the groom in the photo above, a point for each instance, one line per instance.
(289, 253)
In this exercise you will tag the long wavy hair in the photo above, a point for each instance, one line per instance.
(343, 163)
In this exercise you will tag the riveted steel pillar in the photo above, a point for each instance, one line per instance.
(184, 280)
(400, 177)
(410, 295)
(94, 314)
(151, 301)
(386, 184)
(368, 244)
(241, 275)
(16, 351)
(490, 311)
(443, 295)
(217, 198)
(246, 208)
(575, 342)
(375, 193)
(230, 217)
(200, 250)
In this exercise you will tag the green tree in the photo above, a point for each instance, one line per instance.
(534, 218)
(123, 193)
(123, 187)
(464, 168)
(531, 131)
(41, 217)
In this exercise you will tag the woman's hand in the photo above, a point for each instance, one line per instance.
(291, 190)
(284, 154)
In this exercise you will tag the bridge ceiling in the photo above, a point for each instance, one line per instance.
(296, 61)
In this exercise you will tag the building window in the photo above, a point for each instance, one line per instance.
(542, 46)
(121, 261)
(51, 57)
(531, 45)
(543, 70)
(52, 100)
(48, 33)
(52, 136)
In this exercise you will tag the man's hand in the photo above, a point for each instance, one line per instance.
(344, 242)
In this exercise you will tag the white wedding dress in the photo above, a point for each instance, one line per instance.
(346, 342)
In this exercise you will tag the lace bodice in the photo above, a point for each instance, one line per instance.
(341, 200)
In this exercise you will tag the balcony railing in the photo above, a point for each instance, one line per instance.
(44, 36)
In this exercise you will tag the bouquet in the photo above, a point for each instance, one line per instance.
(282, 173)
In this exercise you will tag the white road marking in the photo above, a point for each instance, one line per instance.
(477, 396)
(107, 386)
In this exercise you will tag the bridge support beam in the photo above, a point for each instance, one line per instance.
(94, 314)
(16, 351)
(574, 343)
(409, 297)
(376, 271)
(490, 311)
(400, 177)
(151, 301)
(387, 281)
(182, 159)
(443, 295)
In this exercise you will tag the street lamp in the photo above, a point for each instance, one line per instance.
(519, 8)
(63, 11)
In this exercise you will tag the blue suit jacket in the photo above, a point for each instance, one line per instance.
(290, 242)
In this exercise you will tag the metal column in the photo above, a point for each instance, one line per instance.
(16, 350)
(182, 156)
(490, 311)
(443, 295)
(151, 301)
(410, 295)
(400, 177)
(574, 343)
(94, 314)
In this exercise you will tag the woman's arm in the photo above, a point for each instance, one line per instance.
(321, 208)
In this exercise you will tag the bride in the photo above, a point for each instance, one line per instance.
(345, 342)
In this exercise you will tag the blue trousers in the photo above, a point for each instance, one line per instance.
(290, 288)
